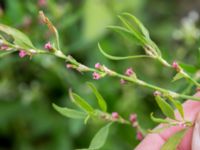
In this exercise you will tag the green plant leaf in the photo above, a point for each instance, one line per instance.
(174, 140)
(81, 103)
(165, 107)
(130, 35)
(158, 120)
(178, 106)
(20, 38)
(140, 25)
(100, 137)
(101, 101)
(70, 113)
(120, 57)
(177, 77)
(188, 68)
(4, 53)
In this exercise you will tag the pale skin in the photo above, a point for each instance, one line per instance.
(191, 140)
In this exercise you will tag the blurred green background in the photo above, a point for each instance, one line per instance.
(28, 87)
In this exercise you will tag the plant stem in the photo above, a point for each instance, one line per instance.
(59, 54)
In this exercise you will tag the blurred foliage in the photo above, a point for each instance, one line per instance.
(28, 87)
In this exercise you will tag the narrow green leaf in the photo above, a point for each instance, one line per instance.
(4, 53)
(177, 77)
(140, 25)
(158, 120)
(130, 35)
(173, 142)
(100, 138)
(178, 106)
(131, 28)
(101, 101)
(70, 113)
(86, 119)
(165, 107)
(120, 57)
(188, 68)
(81, 103)
(20, 38)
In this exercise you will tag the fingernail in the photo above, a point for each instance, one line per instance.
(196, 134)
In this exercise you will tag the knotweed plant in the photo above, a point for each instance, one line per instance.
(13, 40)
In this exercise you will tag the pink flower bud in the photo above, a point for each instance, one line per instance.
(157, 93)
(122, 81)
(139, 135)
(133, 118)
(48, 46)
(22, 53)
(98, 66)
(175, 65)
(96, 76)
(69, 66)
(115, 115)
(129, 72)
(42, 3)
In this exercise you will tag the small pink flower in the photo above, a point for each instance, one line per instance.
(96, 76)
(157, 93)
(139, 135)
(176, 66)
(129, 72)
(22, 53)
(115, 115)
(122, 81)
(48, 46)
(133, 118)
(98, 66)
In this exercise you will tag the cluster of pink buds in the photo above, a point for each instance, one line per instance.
(176, 66)
(139, 135)
(22, 53)
(133, 120)
(96, 76)
(48, 46)
(115, 115)
(98, 66)
(129, 72)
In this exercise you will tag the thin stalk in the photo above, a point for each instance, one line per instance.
(131, 79)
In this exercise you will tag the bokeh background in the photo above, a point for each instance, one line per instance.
(29, 87)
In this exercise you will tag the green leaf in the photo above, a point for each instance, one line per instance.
(143, 29)
(188, 68)
(178, 106)
(101, 101)
(158, 120)
(120, 57)
(81, 103)
(100, 138)
(177, 77)
(130, 35)
(20, 38)
(174, 140)
(165, 107)
(4, 53)
(70, 113)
